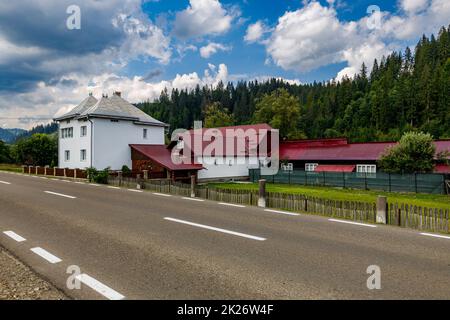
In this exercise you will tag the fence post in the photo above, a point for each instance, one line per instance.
(343, 179)
(138, 180)
(119, 175)
(390, 183)
(23, 169)
(382, 209)
(415, 181)
(145, 174)
(365, 181)
(29, 169)
(75, 173)
(54, 171)
(193, 178)
(262, 193)
(37, 168)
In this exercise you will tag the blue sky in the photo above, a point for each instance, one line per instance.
(140, 47)
(248, 59)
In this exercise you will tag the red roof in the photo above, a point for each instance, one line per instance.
(163, 156)
(335, 168)
(442, 168)
(371, 151)
(229, 137)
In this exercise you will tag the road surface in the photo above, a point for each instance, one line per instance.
(125, 244)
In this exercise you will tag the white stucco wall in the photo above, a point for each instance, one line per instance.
(112, 139)
(74, 145)
(222, 169)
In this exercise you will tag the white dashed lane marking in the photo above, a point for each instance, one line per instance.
(282, 212)
(435, 236)
(14, 236)
(4, 182)
(239, 234)
(161, 194)
(99, 287)
(353, 223)
(46, 255)
(231, 205)
(60, 194)
(134, 190)
(193, 199)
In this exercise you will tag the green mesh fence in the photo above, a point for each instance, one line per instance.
(418, 183)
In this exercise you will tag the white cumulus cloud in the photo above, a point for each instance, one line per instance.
(212, 48)
(255, 32)
(201, 18)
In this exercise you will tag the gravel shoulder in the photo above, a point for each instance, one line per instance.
(19, 282)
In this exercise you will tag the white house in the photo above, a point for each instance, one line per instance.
(98, 133)
(232, 158)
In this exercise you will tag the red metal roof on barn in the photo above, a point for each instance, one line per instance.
(442, 168)
(337, 150)
(335, 168)
(162, 155)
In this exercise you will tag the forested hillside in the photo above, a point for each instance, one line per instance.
(405, 90)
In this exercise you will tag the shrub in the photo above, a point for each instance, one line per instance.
(414, 153)
(126, 171)
(98, 176)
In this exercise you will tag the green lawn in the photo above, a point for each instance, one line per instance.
(424, 200)
(10, 167)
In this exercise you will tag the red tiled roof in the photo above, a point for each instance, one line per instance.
(161, 155)
(346, 152)
(335, 168)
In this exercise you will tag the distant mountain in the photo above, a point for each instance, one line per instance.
(10, 135)
(50, 128)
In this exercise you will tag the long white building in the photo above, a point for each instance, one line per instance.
(98, 133)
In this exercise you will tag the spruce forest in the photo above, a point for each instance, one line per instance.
(405, 91)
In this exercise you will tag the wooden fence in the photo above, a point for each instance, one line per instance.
(420, 218)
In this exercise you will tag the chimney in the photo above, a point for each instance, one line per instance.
(118, 93)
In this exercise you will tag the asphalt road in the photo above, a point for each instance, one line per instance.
(140, 245)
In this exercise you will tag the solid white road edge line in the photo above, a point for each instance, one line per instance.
(46, 255)
(282, 212)
(231, 205)
(60, 194)
(193, 199)
(354, 223)
(4, 182)
(435, 235)
(111, 187)
(161, 194)
(14, 236)
(216, 229)
(99, 287)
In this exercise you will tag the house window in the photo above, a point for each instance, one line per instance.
(287, 167)
(83, 155)
(67, 155)
(144, 133)
(311, 167)
(83, 132)
(366, 168)
(66, 133)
